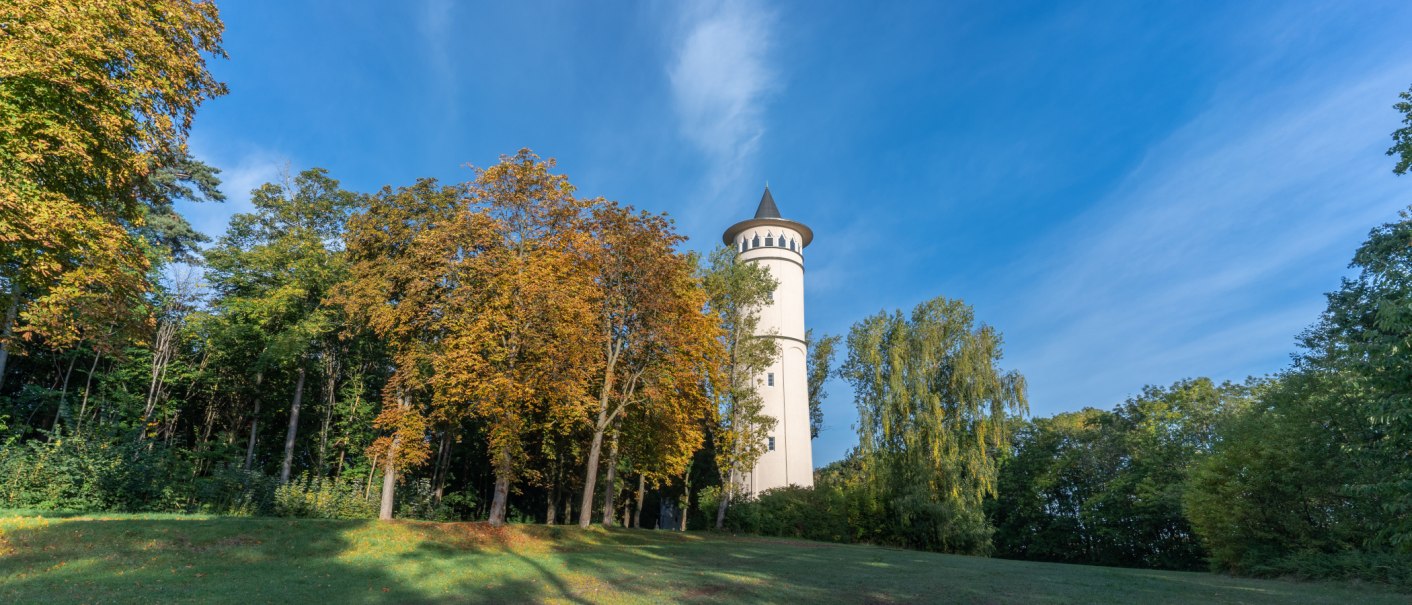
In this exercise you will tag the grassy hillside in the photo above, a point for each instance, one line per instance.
(166, 558)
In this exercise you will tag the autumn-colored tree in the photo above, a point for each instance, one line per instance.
(661, 434)
(521, 339)
(405, 251)
(94, 96)
(736, 294)
(651, 329)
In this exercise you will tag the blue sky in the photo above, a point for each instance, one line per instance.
(1133, 193)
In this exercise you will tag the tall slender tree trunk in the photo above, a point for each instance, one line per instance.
(88, 384)
(685, 499)
(254, 428)
(64, 394)
(641, 495)
(502, 489)
(552, 508)
(595, 446)
(254, 423)
(610, 487)
(389, 474)
(569, 505)
(330, 400)
(169, 427)
(590, 477)
(8, 334)
(368, 483)
(443, 462)
(162, 351)
(733, 477)
(208, 423)
(293, 426)
(726, 491)
(389, 485)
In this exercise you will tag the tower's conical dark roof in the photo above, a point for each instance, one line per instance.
(767, 208)
(768, 214)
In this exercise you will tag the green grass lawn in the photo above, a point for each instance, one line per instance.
(55, 558)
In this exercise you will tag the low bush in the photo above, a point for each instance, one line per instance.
(1382, 567)
(324, 498)
(846, 513)
(82, 473)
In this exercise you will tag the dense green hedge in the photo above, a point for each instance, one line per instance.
(88, 473)
(838, 511)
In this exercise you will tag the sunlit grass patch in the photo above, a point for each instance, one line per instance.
(164, 558)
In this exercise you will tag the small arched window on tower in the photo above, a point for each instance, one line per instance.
(756, 243)
(772, 444)
(791, 243)
(769, 241)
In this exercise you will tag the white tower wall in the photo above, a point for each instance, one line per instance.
(778, 246)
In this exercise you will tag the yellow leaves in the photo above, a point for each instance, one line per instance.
(100, 88)
(92, 95)
(406, 428)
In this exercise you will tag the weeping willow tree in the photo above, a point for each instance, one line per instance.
(933, 411)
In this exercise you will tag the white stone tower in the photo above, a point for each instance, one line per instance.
(778, 244)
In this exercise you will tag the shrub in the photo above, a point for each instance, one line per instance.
(68, 472)
(811, 513)
(86, 473)
(232, 490)
(325, 498)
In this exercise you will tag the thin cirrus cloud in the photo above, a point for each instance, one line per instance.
(240, 174)
(721, 77)
(433, 22)
(1174, 273)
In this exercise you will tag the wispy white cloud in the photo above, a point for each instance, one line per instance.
(434, 19)
(721, 76)
(241, 172)
(1169, 275)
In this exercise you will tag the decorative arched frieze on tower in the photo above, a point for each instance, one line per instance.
(778, 244)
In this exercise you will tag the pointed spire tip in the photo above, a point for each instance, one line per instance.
(767, 208)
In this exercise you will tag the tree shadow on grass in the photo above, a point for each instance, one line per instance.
(126, 559)
(135, 560)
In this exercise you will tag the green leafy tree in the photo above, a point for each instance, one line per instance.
(94, 97)
(184, 178)
(1320, 468)
(1315, 480)
(1275, 493)
(1402, 137)
(819, 369)
(736, 293)
(274, 269)
(1106, 488)
(934, 409)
